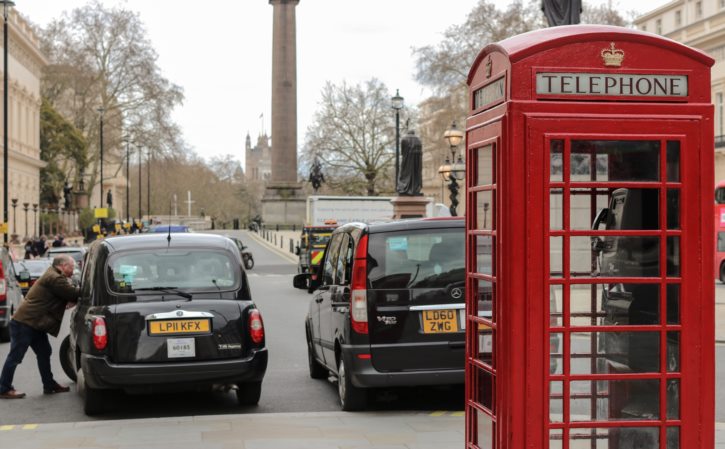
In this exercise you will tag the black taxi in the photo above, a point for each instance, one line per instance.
(164, 312)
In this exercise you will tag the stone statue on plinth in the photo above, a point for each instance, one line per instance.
(67, 192)
(410, 179)
(316, 175)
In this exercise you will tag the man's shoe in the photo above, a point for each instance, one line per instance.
(57, 388)
(12, 394)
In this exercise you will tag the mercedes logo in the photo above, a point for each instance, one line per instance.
(456, 293)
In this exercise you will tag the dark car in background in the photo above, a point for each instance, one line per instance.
(247, 256)
(388, 307)
(160, 314)
(10, 292)
(34, 269)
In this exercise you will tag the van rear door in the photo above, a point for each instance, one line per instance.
(416, 299)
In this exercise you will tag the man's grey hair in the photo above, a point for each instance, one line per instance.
(62, 259)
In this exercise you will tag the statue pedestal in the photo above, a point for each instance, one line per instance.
(80, 199)
(284, 204)
(409, 207)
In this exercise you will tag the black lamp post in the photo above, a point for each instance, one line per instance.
(140, 154)
(43, 211)
(35, 218)
(128, 175)
(456, 171)
(397, 105)
(15, 204)
(148, 184)
(7, 4)
(101, 110)
(25, 208)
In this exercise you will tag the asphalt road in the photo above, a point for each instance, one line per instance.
(287, 386)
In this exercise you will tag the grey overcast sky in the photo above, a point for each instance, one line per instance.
(219, 51)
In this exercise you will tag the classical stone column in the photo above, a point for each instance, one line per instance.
(284, 93)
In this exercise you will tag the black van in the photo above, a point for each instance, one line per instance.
(388, 307)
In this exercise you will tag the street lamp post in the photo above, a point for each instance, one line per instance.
(101, 110)
(140, 154)
(35, 218)
(15, 204)
(453, 172)
(43, 211)
(6, 5)
(397, 105)
(148, 184)
(128, 176)
(25, 208)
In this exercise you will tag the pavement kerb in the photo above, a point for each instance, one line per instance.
(286, 254)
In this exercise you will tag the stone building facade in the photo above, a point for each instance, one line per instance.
(25, 65)
(699, 24)
(258, 159)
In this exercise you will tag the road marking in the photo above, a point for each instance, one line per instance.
(30, 426)
(24, 427)
(7, 427)
(443, 413)
(458, 414)
(437, 413)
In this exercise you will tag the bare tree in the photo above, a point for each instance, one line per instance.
(101, 57)
(352, 135)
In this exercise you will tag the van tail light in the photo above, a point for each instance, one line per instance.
(256, 326)
(100, 333)
(359, 284)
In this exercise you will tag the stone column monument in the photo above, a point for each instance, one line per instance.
(283, 202)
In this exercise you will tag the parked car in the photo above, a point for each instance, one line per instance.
(159, 314)
(247, 257)
(10, 292)
(27, 271)
(388, 307)
(169, 228)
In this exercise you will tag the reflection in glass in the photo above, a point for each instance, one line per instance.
(673, 256)
(555, 353)
(614, 304)
(556, 307)
(484, 430)
(673, 303)
(615, 352)
(484, 210)
(484, 299)
(556, 401)
(556, 161)
(673, 399)
(484, 391)
(615, 160)
(485, 344)
(556, 209)
(584, 204)
(673, 438)
(616, 400)
(673, 161)
(618, 256)
(485, 165)
(616, 437)
(484, 254)
(556, 438)
(673, 352)
(555, 256)
(673, 209)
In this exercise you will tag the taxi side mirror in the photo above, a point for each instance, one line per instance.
(24, 276)
(301, 281)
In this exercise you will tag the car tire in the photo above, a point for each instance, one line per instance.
(249, 393)
(65, 359)
(94, 400)
(248, 263)
(352, 398)
(317, 370)
(722, 273)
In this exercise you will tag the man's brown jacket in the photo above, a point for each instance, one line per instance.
(45, 302)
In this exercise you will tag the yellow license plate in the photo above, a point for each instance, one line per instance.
(165, 327)
(439, 321)
(23, 285)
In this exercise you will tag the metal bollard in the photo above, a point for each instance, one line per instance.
(281, 242)
(291, 246)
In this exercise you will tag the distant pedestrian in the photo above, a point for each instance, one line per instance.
(39, 314)
(40, 246)
(28, 250)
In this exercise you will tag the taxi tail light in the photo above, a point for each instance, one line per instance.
(359, 296)
(256, 326)
(3, 290)
(100, 333)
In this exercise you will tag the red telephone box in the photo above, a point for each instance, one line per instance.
(590, 299)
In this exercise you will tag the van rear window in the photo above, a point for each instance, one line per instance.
(431, 258)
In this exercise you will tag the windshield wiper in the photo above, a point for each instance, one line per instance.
(171, 290)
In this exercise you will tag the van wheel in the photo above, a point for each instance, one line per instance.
(352, 398)
(249, 393)
(317, 371)
(248, 263)
(722, 273)
(65, 359)
(94, 400)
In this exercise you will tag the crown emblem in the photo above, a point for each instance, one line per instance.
(612, 57)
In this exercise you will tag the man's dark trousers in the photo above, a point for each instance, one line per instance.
(23, 337)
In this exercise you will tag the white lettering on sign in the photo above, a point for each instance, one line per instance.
(490, 93)
(611, 84)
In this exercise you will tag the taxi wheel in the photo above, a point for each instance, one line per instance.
(317, 371)
(94, 401)
(248, 263)
(722, 273)
(249, 393)
(352, 398)
(65, 359)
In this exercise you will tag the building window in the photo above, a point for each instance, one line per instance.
(678, 17)
(644, 27)
(658, 26)
(722, 3)
(698, 9)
